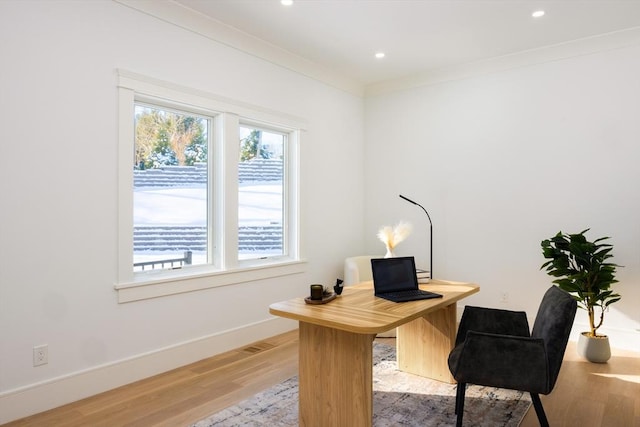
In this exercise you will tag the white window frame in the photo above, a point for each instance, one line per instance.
(291, 141)
(223, 194)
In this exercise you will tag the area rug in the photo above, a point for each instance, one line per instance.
(399, 399)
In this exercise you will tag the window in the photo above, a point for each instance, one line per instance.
(208, 191)
(260, 196)
(170, 196)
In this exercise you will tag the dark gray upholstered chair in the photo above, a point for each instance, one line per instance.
(494, 348)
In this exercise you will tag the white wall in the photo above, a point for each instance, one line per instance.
(58, 180)
(501, 161)
(505, 159)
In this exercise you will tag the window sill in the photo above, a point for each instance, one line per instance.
(150, 287)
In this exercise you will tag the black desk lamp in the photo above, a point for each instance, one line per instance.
(430, 234)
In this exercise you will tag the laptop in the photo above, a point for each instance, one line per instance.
(395, 279)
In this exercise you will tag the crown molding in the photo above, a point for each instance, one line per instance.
(580, 47)
(190, 20)
(177, 14)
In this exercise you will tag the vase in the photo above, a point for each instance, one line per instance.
(389, 253)
(594, 349)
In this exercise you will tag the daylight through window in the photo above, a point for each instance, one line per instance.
(260, 196)
(208, 190)
(169, 189)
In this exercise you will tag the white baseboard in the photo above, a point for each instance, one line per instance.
(624, 339)
(39, 397)
(35, 398)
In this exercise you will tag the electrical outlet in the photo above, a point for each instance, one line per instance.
(40, 355)
(504, 297)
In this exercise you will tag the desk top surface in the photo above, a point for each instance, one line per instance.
(359, 310)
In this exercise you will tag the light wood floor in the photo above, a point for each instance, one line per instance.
(586, 394)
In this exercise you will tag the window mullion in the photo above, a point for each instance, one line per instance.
(229, 189)
(292, 200)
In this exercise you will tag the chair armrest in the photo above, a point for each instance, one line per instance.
(494, 321)
(514, 362)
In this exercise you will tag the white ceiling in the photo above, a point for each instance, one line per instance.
(416, 35)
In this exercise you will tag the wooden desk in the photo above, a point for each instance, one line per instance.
(336, 347)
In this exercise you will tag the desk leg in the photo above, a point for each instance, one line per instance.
(423, 345)
(336, 387)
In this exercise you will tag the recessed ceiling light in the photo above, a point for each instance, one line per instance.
(538, 13)
(380, 55)
(286, 2)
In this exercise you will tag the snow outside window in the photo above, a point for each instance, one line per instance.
(208, 192)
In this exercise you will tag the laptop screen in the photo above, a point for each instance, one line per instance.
(394, 274)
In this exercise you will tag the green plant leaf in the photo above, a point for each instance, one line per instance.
(580, 267)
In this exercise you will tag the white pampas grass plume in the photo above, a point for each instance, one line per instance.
(400, 232)
(385, 234)
(392, 236)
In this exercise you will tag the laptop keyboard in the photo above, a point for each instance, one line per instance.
(409, 293)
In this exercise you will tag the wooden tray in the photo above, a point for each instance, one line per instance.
(324, 300)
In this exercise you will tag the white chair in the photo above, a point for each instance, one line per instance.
(358, 269)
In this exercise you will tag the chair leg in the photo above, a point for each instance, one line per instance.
(462, 387)
(537, 404)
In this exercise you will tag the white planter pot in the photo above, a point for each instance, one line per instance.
(594, 349)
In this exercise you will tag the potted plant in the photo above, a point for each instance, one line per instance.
(583, 270)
